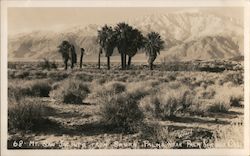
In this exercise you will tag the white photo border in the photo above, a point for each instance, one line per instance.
(123, 3)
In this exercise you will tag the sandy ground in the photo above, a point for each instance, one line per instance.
(78, 127)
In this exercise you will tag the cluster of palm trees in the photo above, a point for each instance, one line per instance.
(68, 52)
(125, 38)
(128, 41)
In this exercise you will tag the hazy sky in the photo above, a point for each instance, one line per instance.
(29, 19)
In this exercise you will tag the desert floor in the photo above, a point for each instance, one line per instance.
(212, 119)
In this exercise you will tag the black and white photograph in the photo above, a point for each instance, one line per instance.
(81, 78)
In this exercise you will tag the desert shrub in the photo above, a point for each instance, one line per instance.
(21, 74)
(99, 81)
(172, 76)
(185, 80)
(71, 91)
(155, 133)
(162, 79)
(150, 106)
(132, 72)
(143, 88)
(236, 101)
(55, 85)
(11, 73)
(167, 103)
(229, 84)
(84, 77)
(40, 89)
(229, 136)
(141, 76)
(26, 114)
(116, 87)
(233, 95)
(235, 77)
(205, 93)
(38, 74)
(109, 88)
(219, 106)
(58, 75)
(121, 111)
(198, 107)
(154, 83)
(36, 88)
(15, 93)
(12, 65)
(46, 64)
(122, 78)
(174, 84)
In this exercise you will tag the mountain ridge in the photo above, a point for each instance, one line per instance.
(176, 29)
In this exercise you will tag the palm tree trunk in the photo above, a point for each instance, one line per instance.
(108, 62)
(65, 64)
(72, 58)
(129, 61)
(81, 59)
(99, 59)
(122, 63)
(72, 62)
(125, 61)
(123, 58)
(151, 65)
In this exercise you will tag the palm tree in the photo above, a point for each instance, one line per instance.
(153, 44)
(81, 57)
(99, 58)
(123, 36)
(136, 43)
(73, 55)
(68, 52)
(107, 41)
(64, 48)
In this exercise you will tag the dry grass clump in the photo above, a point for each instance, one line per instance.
(121, 111)
(71, 91)
(235, 77)
(21, 74)
(232, 95)
(205, 92)
(217, 98)
(26, 114)
(119, 103)
(174, 85)
(107, 89)
(84, 76)
(35, 88)
(58, 75)
(155, 133)
(122, 78)
(198, 107)
(115, 87)
(143, 88)
(236, 95)
(167, 103)
(230, 136)
(220, 106)
(236, 101)
(99, 81)
(40, 88)
(47, 64)
(38, 74)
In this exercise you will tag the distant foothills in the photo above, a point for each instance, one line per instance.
(186, 36)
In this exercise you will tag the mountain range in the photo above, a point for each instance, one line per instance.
(187, 36)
